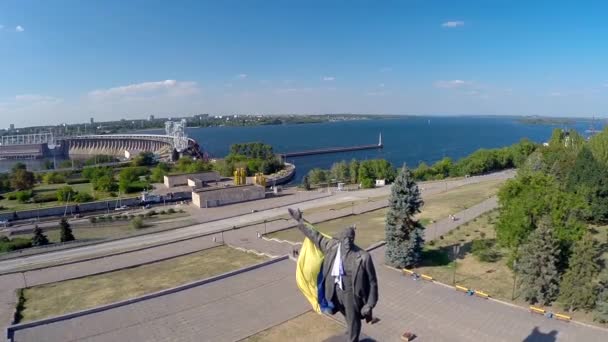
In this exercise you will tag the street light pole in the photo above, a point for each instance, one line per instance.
(264, 227)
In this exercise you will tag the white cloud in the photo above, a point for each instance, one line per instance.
(452, 24)
(19, 28)
(328, 78)
(241, 76)
(452, 84)
(153, 89)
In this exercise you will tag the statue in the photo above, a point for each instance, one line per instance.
(349, 277)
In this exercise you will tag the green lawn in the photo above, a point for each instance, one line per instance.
(79, 294)
(14, 205)
(370, 225)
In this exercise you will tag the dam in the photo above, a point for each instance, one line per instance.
(46, 145)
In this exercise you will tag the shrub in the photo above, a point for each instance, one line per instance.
(93, 219)
(367, 183)
(163, 212)
(181, 211)
(45, 197)
(23, 196)
(109, 218)
(485, 250)
(137, 223)
(12, 196)
(7, 245)
(77, 181)
(82, 197)
(65, 193)
(171, 211)
(101, 218)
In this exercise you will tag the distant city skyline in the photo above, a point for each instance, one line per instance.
(68, 62)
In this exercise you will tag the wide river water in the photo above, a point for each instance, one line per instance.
(407, 140)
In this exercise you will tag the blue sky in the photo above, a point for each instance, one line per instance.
(68, 60)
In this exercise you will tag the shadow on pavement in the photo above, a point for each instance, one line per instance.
(538, 336)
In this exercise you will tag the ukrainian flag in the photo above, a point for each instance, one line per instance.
(309, 276)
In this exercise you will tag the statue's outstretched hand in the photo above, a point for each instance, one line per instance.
(296, 214)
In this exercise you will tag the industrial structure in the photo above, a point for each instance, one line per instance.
(45, 145)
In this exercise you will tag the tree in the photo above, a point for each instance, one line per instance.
(317, 176)
(18, 166)
(537, 265)
(305, 183)
(601, 305)
(404, 234)
(339, 171)
(53, 178)
(39, 239)
(65, 193)
(577, 289)
(144, 159)
(590, 178)
(22, 179)
(65, 232)
(353, 171)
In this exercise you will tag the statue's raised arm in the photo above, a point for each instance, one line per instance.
(322, 242)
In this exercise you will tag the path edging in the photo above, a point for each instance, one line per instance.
(10, 330)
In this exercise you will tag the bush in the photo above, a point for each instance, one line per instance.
(93, 219)
(23, 196)
(12, 196)
(77, 181)
(485, 250)
(367, 183)
(83, 197)
(163, 212)
(7, 245)
(45, 197)
(171, 211)
(137, 223)
(65, 193)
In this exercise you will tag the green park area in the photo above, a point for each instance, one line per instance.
(79, 294)
(370, 225)
(307, 327)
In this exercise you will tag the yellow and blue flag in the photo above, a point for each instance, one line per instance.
(309, 276)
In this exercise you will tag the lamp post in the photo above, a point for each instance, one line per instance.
(265, 227)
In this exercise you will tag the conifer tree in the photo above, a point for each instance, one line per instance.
(39, 239)
(537, 265)
(601, 305)
(577, 289)
(306, 183)
(404, 234)
(66, 232)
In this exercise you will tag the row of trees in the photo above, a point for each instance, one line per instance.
(544, 219)
(65, 234)
(363, 172)
(479, 162)
(254, 157)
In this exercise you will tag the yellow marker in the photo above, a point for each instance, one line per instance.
(537, 310)
(481, 294)
(562, 317)
(461, 288)
(405, 270)
(426, 277)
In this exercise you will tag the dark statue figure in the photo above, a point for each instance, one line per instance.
(350, 283)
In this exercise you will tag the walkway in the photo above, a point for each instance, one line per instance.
(226, 310)
(439, 313)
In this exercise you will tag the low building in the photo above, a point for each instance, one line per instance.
(171, 181)
(218, 196)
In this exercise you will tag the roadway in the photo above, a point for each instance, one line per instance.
(228, 223)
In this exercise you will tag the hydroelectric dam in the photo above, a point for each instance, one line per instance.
(47, 145)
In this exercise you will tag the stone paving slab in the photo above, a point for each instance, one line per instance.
(438, 313)
(226, 310)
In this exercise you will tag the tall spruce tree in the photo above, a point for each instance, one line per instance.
(537, 265)
(39, 239)
(601, 305)
(65, 231)
(589, 178)
(404, 234)
(577, 289)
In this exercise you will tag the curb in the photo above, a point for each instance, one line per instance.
(10, 330)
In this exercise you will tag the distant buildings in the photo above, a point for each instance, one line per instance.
(151, 118)
(92, 121)
(11, 127)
